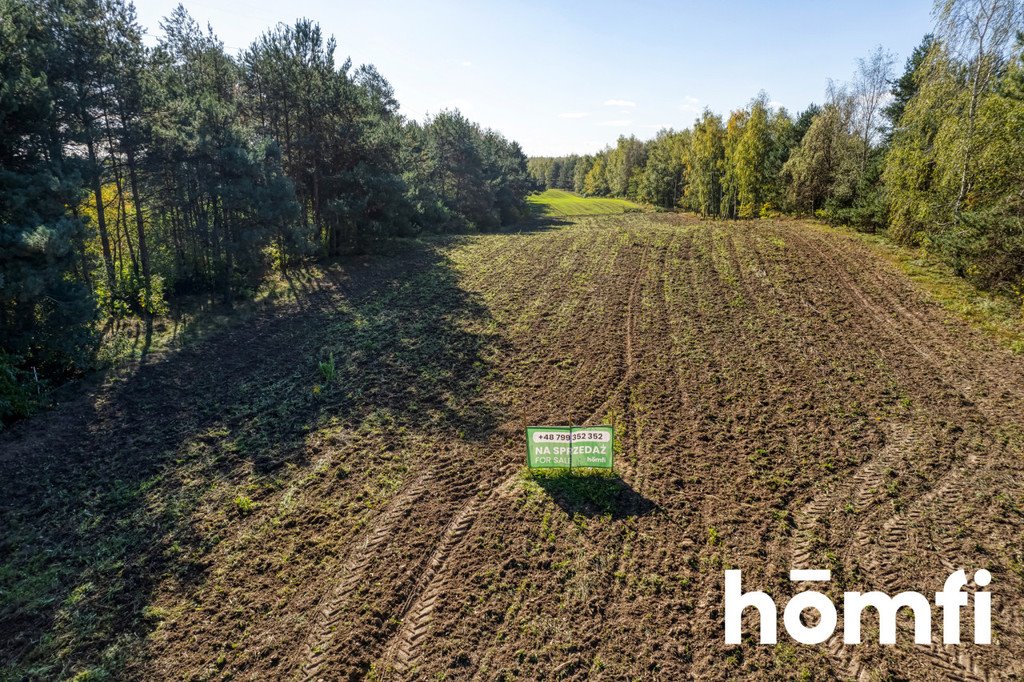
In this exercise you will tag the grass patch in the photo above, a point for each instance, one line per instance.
(559, 203)
(590, 492)
(244, 505)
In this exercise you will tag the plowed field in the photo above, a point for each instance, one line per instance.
(784, 398)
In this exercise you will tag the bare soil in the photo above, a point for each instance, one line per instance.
(784, 399)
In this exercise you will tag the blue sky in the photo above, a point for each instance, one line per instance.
(564, 77)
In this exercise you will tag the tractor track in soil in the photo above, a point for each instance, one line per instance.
(631, 472)
(445, 480)
(864, 480)
(913, 332)
(329, 614)
(861, 492)
(953, 661)
(642, 424)
(402, 650)
(759, 371)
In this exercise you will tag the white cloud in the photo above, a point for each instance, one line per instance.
(467, 63)
(617, 123)
(619, 103)
(775, 104)
(573, 114)
(690, 105)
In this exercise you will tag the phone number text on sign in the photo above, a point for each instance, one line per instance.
(564, 436)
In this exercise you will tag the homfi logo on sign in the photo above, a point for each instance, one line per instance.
(951, 599)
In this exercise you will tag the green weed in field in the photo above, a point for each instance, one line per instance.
(244, 505)
(327, 368)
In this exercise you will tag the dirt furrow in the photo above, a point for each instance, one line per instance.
(401, 652)
(920, 336)
(622, 392)
(417, 615)
(933, 327)
(895, 529)
(328, 615)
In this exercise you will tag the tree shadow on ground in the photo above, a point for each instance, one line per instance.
(101, 498)
(593, 493)
(537, 222)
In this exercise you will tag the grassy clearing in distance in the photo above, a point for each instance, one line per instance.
(558, 202)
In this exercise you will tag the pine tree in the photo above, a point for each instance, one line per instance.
(45, 309)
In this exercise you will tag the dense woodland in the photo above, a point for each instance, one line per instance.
(934, 156)
(131, 175)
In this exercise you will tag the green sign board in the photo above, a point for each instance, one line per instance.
(568, 447)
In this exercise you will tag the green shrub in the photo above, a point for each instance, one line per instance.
(986, 247)
(16, 389)
(869, 213)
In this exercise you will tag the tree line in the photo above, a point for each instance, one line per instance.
(935, 156)
(131, 174)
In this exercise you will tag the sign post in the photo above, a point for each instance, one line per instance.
(568, 447)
